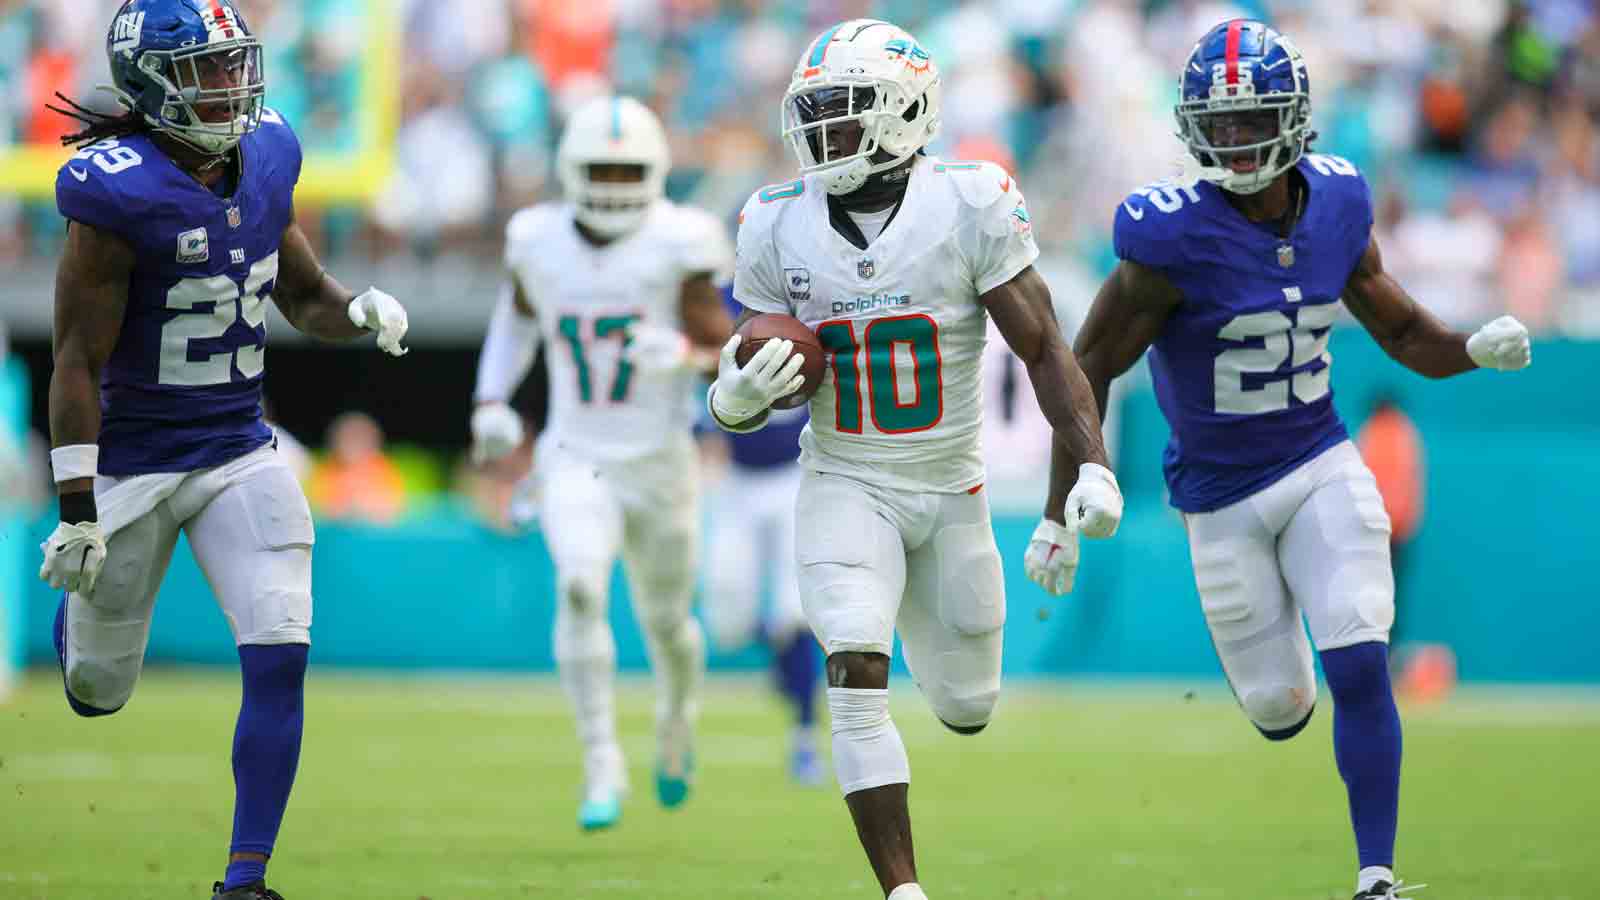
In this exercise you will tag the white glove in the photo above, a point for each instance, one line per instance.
(656, 349)
(496, 431)
(1094, 505)
(377, 311)
(742, 394)
(1501, 344)
(73, 555)
(1052, 558)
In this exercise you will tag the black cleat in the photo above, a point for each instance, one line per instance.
(256, 890)
(1383, 890)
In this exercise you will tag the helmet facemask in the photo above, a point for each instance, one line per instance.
(613, 198)
(1249, 140)
(213, 92)
(847, 131)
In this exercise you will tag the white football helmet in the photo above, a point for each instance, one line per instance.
(613, 131)
(863, 99)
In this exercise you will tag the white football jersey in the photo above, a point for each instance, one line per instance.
(586, 297)
(901, 404)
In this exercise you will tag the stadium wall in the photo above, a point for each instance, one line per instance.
(1504, 566)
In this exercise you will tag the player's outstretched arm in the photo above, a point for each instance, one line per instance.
(1022, 310)
(1416, 338)
(706, 322)
(91, 295)
(509, 349)
(315, 302)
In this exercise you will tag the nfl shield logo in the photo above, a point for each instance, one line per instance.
(233, 217)
(1286, 255)
(865, 268)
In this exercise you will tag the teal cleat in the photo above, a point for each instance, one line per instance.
(602, 809)
(673, 788)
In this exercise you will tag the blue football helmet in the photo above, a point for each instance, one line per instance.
(1245, 107)
(191, 68)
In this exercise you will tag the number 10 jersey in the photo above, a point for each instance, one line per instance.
(899, 320)
(182, 389)
(1241, 367)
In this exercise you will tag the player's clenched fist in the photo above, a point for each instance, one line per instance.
(1094, 505)
(1502, 344)
(496, 431)
(742, 394)
(1052, 558)
(73, 555)
(376, 311)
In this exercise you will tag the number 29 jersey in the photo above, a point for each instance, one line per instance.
(182, 388)
(1241, 368)
(586, 298)
(901, 403)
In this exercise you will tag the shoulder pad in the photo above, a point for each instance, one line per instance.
(100, 184)
(980, 185)
(1151, 222)
(532, 222)
(766, 204)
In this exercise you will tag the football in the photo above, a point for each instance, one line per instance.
(776, 326)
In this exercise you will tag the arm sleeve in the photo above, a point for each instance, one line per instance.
(757, 283)
(508, 350)
(1000, 241)
(91, 200)
(704, 247)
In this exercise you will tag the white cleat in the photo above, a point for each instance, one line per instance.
(911, 891)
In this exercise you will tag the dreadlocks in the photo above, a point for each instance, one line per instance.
(98, 125)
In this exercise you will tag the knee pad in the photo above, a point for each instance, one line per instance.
(1279, 711)
(964, 706)
(867, 750)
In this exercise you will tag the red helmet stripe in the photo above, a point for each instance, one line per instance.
(1232, 51)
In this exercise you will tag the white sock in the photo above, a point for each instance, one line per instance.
(867, 750)
(912, 891)
(1371, 875)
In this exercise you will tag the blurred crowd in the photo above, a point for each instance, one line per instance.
(1476, 122)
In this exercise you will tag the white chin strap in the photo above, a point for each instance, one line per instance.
(846, 178)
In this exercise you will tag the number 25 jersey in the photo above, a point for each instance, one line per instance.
(901, 403)
(182, 389)
(1241, 367)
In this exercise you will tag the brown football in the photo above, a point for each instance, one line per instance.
(776, 326)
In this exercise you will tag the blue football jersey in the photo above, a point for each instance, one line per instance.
(182, 390)
(1241, 367)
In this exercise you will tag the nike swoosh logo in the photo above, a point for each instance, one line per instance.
(1269, 68)
(81, 176)
(1137, 214)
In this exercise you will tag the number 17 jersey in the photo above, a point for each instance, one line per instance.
(899, 319)
(1241, 367)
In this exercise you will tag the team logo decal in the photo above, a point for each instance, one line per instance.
(1020, 220)
(1286, 255)
(866, 268)
(125, 32)
(798, 281)
(915, 58)
(194, 246)
(234, 218)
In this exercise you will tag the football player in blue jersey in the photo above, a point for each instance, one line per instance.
(1232, 277)
(180, 226)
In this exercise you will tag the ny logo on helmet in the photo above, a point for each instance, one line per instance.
(125, 32)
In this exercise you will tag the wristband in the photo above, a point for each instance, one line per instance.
(75, 461)
(78, 507)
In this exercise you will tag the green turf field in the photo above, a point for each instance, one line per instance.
(454, 789)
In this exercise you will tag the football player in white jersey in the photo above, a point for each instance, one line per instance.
(895, 258)
(621, 286)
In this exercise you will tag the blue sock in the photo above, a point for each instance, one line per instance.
(266, 750)
(797, 666)
(1366, 745)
